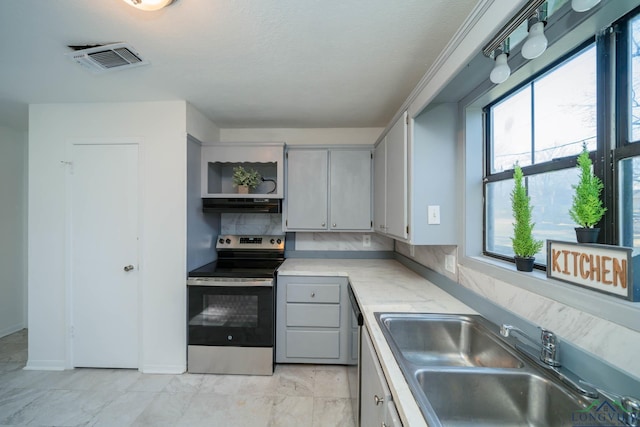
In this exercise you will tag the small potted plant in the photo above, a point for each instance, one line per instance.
(524, 245)
(587, 209)
(245, 179)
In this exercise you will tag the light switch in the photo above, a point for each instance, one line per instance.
(433, 214)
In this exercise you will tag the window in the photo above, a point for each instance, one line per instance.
(584, 98)
(541, 126)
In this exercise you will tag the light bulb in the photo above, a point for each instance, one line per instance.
(583, 5)
(148, 5)
(501, 70)
(536, 42)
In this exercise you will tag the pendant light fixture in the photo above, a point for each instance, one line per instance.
(583, 5)
(536, 42)
(148, 5)
(501, 70)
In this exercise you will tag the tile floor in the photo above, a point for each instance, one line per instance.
(296, 395)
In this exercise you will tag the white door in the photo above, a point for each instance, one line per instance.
(104, 255)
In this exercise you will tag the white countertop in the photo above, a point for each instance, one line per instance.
(384, 285)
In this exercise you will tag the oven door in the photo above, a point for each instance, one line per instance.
(231, 313)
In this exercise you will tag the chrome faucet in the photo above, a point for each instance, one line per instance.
(548, 356)
(548, 343)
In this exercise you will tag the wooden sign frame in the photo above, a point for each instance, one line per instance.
(603, 268)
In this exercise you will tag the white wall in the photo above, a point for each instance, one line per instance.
(162, 128)
(13, 230)
(334, 136)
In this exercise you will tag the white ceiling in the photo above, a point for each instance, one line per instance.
(242, 63)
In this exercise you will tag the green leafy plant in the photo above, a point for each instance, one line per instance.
(524, 245)
(587, 209)
(249, 177)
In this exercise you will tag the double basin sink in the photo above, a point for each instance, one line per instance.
(463, 373)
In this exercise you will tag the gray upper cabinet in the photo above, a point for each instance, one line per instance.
(415, 178)
(307, 190)
(390, 180)
(328, 189)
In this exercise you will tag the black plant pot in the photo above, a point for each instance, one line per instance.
(587, 235)
(524, 264)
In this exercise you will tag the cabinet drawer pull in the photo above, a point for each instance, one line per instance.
(323, 224)
(313, 294)
(334, 225)
(378, 400)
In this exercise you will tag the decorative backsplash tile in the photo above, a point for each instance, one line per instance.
(433, 257)
(248, 223)
(341, 242)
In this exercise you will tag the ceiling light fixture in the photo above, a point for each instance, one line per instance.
(148, 5)
(536, 42)
(583, 5)
(501, 70)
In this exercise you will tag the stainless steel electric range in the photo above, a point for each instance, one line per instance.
(231, 307)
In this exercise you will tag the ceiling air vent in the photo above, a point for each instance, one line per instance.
(108, 57)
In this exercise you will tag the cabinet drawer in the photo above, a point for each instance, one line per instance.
(313, 344)
(318, 315)
(318, 293)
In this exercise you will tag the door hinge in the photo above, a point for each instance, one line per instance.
(286, 155)
(286, 222)
(372, 155)
(72, 331)
(371, 224)
(406, 119)
(407, 229)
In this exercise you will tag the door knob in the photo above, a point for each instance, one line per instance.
(128, 267)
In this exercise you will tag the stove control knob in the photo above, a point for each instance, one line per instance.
(230, 337)
(279, 241)
(273, 241)
(228, 241)
(221, 241)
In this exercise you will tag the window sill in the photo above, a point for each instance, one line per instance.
(622, 312)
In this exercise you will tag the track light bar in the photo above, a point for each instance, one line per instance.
(523, 14)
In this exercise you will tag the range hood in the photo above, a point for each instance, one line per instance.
(241, 205)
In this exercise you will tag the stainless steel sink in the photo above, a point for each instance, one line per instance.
(447, 341)
(498, 399)
(463, 373)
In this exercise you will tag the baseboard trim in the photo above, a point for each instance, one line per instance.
(11, 329)
(163, 369)
(45, 365)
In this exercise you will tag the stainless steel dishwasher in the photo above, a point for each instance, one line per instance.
(353, 369)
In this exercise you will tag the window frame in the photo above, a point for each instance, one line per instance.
(554, 165)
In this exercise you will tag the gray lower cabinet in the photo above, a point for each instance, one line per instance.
(376, 406)
(313, 320)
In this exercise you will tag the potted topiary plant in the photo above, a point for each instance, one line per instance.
(524, 245)
(587, 209)
(245, 179)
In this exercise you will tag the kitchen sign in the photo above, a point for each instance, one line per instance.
(604, 268)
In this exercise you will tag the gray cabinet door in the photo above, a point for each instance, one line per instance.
(307, 186)
(380, 187)
(396, 191)
(350, 189)
(373, 388)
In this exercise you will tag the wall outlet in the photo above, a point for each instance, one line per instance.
(412, 250)
(450, 263)
(433, 214)
(366, 241)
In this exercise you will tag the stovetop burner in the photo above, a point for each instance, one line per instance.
(244, 257)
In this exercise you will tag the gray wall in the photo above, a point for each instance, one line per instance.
(13, 230)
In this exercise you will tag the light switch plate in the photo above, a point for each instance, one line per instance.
(433, 214)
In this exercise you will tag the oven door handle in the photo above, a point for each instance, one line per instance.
(229, 282)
